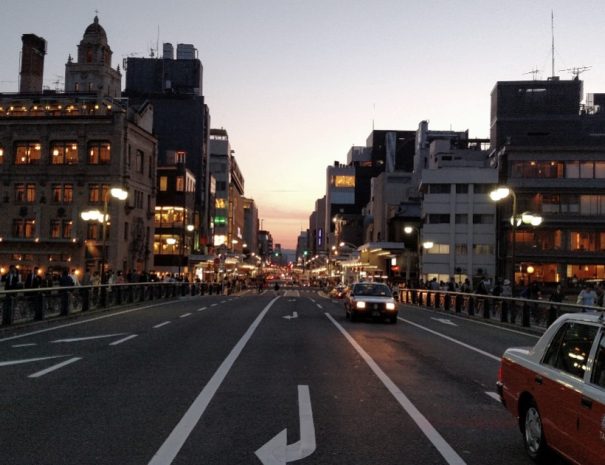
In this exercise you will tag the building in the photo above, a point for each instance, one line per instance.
(181, 120)
(550, 150)
(62, 153)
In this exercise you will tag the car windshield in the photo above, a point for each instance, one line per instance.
(370, 289)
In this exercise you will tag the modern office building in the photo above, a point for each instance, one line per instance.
(550, 150)
(174, 86)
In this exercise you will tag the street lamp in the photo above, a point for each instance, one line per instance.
(409, 230)
(103, 217)
(516, 220)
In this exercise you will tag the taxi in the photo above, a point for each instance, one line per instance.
(372, 300)
(556, 390)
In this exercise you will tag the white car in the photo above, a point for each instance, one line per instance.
(371, 299)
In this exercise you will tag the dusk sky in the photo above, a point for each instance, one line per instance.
(297, 83)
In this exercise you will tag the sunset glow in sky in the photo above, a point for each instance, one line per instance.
(296, 83)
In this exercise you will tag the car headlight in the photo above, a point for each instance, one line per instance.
(360, 304)
(390, 306)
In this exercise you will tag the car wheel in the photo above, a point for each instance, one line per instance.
(533, 434)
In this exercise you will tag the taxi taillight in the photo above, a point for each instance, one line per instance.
(500, 373)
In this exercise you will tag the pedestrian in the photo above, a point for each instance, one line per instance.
(588, 298)
(33, 279)
(12, 280)
(557, 297)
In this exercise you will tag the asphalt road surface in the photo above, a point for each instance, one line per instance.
(280, 377)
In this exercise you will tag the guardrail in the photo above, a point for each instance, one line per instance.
(513, 310)
(25, 305)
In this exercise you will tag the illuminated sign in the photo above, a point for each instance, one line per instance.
(344, 181)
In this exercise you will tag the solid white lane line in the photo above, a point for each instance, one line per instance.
(54, 367)
(494, 395)
(81, 322)
(127, 338)
(173, 443)
(201, 309)
(162, 324)
(29, 360)
(185, 315)
(451, 339)
(24, 345)
(447, 452)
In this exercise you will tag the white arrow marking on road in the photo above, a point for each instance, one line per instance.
(289, 317)
(445, 321)
(277, 451)
(29, 360)
(88, 338)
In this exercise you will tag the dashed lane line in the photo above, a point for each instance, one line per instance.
(493, 395)
(185, 315)
(38, 374)
(120, 341)
(162, 324)
(201, 309)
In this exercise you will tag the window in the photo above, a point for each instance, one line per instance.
(461, 249)
(139, 161)
(180, 157)
(93, 231)
(138, 199)
(438, 218)
(24, 228)
(461, 218)
(439, 189)
(64, 153)
(28, 153)
(55, 229)
(598, 376)
(25, 193)
(62, 193)
(440, 249)
(482, 188)
(483, 219)
(570, 347)
(537, 169)
(221, 186)
(572, 169)
(1, 155)
(344, 181)
(599, 168)
(461, 188)
(483, 249)
(163, 183)
(99, 153)
(180, 183)
(220, 203)
(61, 229)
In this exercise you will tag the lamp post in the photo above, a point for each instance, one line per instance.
(516, 220)
(96, 215)
(409, 230)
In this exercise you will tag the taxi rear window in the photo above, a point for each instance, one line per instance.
(598, 374)
(569, 349)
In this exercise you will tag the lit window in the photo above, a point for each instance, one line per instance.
(64, 153)
(99, 153)
(28, 153)
(163, 183)
(344, 181)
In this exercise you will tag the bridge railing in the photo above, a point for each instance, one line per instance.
(513, 310)
(25, 305)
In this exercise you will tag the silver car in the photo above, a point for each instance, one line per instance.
(372, 300)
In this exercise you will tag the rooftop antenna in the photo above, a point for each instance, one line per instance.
(576, 71)
(552, 33)
(534, 72)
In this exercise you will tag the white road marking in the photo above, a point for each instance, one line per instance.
(319, 306)
(445, 321)
(54, 328)
(29, 360)
(162, 324)
(54, 367)
(213, 305)
(185, 315)
(86, 338)
(24, 345)
(494, 395)
(127, 338)
(451, 339)
(277, 451)
(201, 309)
(289, 317)
(448, 453)
(312, 300)
(173, 443)
(223, 301)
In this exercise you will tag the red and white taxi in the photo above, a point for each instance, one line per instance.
(556, 389)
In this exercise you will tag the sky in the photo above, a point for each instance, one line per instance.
(296, 83)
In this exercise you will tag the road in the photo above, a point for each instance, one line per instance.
(256, 379)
